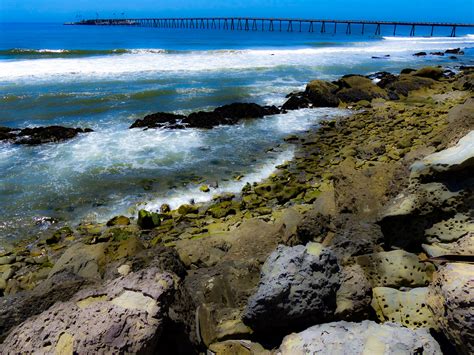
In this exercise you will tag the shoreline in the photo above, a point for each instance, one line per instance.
(332, 193)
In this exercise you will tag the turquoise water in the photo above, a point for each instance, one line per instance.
(106, 77)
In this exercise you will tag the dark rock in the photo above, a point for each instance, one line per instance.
(297, 287)
(148, 220)
(419, 54)
(383, 57)
(407, 71)
(314, 227)
(118, 221)
(441, 54)
(40, 135)
(453, 51)
(159, 119)
(384, 78)
(224, 115)
(296, 102)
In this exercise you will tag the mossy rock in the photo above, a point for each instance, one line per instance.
(223, 209)
(356, 88)
(165, 208)
(429, 72)
(188, 209)
(322, 93)
(406, 308)
(395, 269)
(118, 221)
(59, 235)
(118, 234)
(148, 220)
(407, 83)
(204, 188)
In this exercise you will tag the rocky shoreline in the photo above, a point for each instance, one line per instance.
(335, 252)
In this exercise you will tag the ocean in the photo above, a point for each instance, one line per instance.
(105, 78)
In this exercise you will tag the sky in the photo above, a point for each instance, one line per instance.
(67, 10)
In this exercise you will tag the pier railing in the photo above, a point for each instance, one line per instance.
(273, 24)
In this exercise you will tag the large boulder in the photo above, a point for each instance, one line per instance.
(40, 135)
(126, 315)
(451, 298)
(14, 309)
(360, 338)
(297, 287)
(322, 93)
(357, 88)
(435, 73)
(407, 83)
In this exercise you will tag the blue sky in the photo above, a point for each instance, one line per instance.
(65, 10)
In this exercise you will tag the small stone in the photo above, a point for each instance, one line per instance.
(124, 270)
(204, 188)
(165, 208)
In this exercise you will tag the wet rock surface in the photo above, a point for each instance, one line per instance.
(225, 115)
(40, 135)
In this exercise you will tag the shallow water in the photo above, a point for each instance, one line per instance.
(105, 78)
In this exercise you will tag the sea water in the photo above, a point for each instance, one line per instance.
(105, 78)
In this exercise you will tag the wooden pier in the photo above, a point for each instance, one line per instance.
(274, 24)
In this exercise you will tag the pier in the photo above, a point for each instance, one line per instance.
(276, 24)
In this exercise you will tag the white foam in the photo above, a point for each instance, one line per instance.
(150, 62)
(177, 198)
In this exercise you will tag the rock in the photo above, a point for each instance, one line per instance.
(159, 119)
(83, 260)
(7, 259)
(40, 135)
(408, 82)
(356, 88)
(204, 188)
(314, 227)
(360, 338)
(165, 208)
(224, 115)
(441, 54)
(297, 101)
(409, 308)
(125, 315)
(148, 220)
(14, 309)
(59, 235)
(238, 347)
(407, 71)
(298, 287)
(395, 269)
(453, 51)
(118, 221)
(420, 54)
(451, 298)
(187, 209)
(322, 93)
(383, 78)
(429, 72)
(354, 296)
